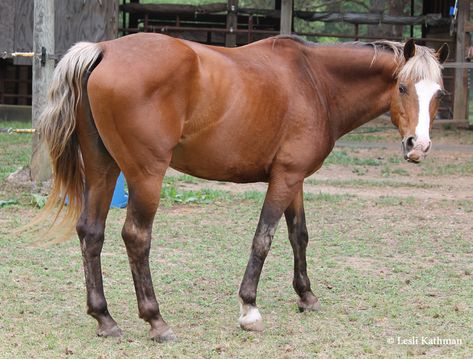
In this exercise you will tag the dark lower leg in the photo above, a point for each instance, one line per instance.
(282, 188)
(259, 250)
(250, 318)
(137, 236)
(90, 229)
(298, 236)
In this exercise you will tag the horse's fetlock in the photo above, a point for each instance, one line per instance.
(247, 296)
(148, 310)
(97, 307)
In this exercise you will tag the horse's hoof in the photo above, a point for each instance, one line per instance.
(308, 304)
(257, 326)
(113, 331)
(167, 336)
(250, 318)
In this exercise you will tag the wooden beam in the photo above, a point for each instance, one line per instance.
(461, 90)
(469, 26)
(286, 17)
(43, 67)
(232, 23)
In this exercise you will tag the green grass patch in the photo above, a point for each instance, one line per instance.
(463, 168)
(394, 201)
(183, 178)
(172, 194)
(340, 157)
(368, 183)
(388, 171)
(15, 149)
(360, 137)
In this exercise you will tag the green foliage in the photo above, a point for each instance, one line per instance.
(15, 149)
(38, 200)
(8, 202)
(173, 194)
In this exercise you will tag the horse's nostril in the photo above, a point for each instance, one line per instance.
(410, 143)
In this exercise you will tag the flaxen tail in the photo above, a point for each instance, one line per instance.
(57, 127)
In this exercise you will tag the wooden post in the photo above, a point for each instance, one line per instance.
(461, 92)
(232, 23)
(43, 67)
(286, 17)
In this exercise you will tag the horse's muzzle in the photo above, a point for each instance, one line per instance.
(414, 149)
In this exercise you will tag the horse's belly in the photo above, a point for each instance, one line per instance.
(220, 163)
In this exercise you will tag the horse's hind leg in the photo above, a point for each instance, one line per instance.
(101, 173)
(142, 205)
(298, 236)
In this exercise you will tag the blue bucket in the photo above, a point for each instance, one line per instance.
(120, 197)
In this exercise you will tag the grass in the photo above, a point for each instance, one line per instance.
(341, 157)
(418, 287)
(463, 168)
(15, 149)
(368, 183)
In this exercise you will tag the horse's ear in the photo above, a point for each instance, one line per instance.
(442, 53)
(409, 49)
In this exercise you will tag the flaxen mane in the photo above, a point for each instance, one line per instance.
(423, 66)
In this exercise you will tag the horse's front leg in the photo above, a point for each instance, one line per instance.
(299, 238)
(280, 193)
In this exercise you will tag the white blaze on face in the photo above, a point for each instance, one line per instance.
(425, 89)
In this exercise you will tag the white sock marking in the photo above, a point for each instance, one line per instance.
(425, 91)
(249, 314)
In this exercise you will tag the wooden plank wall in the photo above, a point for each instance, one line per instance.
(7, 11)
(75, 20)
(78, 20)
(23, 28)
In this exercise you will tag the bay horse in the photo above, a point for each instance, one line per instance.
(270, 111)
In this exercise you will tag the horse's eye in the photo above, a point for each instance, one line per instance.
(402, 89)
(441, 94)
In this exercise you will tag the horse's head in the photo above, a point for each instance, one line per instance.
(416, 97)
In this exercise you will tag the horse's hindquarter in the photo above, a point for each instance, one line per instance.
(242, 113)
(139, 95)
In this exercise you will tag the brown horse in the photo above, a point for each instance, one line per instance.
(270, 111)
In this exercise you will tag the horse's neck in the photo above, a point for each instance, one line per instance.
(358, 89)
